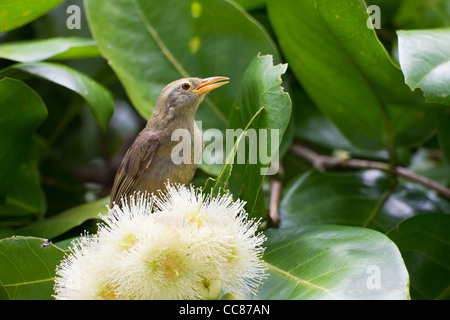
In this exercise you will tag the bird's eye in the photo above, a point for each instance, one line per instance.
(185, 86)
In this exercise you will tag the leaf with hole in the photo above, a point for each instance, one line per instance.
(258, 155)
(425, 61)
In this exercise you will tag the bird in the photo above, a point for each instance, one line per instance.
(148, 165)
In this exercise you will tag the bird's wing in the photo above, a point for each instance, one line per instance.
(138, 158)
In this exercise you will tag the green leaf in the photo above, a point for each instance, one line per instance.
(425, 61)
(348, 74)
(14, 14)
(25, 197)
(27, 268)
(332, 262)
(312, 127)
(261, 87)
(56, 225)
(21, 112)
(424, 242)
(99, 98)
(214, 186)
(359, 198)
(151, 43)
(56, 48)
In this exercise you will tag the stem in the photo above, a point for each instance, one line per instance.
(405, 173)
(323, 162)
(275, 190)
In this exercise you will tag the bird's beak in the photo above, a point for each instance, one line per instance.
(209, 84)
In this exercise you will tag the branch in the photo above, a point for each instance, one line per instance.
(275, 190)
(323, 162)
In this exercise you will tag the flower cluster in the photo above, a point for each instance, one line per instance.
(179, 245)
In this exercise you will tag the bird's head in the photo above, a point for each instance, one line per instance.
(183, 96)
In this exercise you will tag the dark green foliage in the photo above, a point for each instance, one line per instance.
(360, 212)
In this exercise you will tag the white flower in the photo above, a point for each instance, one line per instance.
(81, 276)
(179, 245)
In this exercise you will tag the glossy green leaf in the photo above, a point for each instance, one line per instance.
(348, 74)
(14, 14)
(261, 87)
(359, 198)
(25, 197)
(425, 60)
(312, 127)
(99, 98)
(21, 112)
(56, 225)
(151, 43)
(27, 268)
(332, 262)
(214, 186)
(424, 242)
(56, 48)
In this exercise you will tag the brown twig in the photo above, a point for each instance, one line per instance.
(275, 190)
(322, 162)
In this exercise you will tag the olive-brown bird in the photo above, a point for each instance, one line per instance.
(148, 163)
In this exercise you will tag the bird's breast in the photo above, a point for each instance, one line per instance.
(175, 160)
